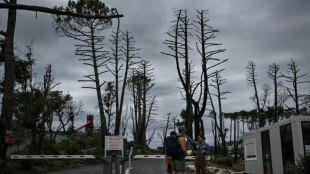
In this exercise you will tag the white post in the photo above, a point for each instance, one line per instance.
(130, 153)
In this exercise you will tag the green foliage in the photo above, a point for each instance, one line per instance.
(88, 7)
(96, 151)
(138, 149)
(70, 147)
(223, 160)
(11, 168)
(302, 166)
(65, 24)
(47, 148)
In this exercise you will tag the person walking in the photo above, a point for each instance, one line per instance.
(178, 161)
(203, 149)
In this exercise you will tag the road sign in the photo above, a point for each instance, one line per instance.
(114, 142)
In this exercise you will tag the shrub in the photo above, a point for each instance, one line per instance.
(223, 160)
(96, 151)
(72, 148)
(47, 148)
(10, 168)
(302, 166)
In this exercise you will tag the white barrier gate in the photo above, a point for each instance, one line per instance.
(52, 157)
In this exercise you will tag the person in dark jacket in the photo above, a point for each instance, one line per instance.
(203, 149)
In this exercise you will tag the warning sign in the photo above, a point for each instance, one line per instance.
(113, 142)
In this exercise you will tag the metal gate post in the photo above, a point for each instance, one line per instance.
(107, 164)
(120, 164)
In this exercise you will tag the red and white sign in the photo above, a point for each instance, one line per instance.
(113, 142)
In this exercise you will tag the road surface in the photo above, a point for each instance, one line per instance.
(139, 166)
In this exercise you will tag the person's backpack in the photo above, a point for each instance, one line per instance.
(171, 143)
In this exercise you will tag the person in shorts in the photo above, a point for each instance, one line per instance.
(178, 161)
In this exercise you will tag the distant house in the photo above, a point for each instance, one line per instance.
(275, 149)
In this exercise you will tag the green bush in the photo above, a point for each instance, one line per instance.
(223, 160)
(302, 166)
(11, 167)
(47, 148)
(95, 151)
(72, 148)
(137, 148)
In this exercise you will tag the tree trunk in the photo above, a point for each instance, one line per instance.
(9, 79)
(118, 109)
(98, 90)
(33, 140)
(235, 141)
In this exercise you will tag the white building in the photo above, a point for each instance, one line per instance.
(274, 149)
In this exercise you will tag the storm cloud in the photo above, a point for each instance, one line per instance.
(264, 32)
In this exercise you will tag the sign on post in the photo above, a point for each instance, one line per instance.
(114, 143)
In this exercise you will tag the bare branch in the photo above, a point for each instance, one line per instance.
(54, 11)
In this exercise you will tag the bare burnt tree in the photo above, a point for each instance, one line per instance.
(294, 77)
(179, 45)
(166, 125)
(144, 105)
(218, 81)
(9, 78)
(274, 74)
(252, 81)
(124, 123)
(122, 60)
(207, 50)
(265, 97)
(196, 93)
(91, 51)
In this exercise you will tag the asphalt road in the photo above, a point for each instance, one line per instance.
(139, 166)
(150, 166)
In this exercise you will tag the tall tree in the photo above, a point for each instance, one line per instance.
(218, 82)
(35, 104)
(196, 92)
(252, 81)
(144, 104)
(265, 96)
(167, 123)
(89, 33)
(179, 45)
(293, 76)
(207, 50)
(123, 58)
(274, 75)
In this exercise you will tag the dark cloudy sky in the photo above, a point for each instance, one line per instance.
(263, 31)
